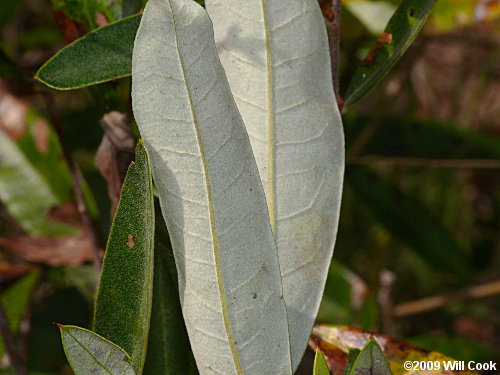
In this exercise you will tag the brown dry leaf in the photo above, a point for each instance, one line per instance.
(70, 250)
(13, 113)
(115, 153)
(9, 271)
(335, 342)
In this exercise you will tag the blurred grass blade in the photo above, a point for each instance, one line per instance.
(428, 139)
(169, 352)
(408, 221)
(15, 300)
(320, 367)
(100, 56)
(123, 302)
(338, 341)
(26, 193)
(371, 360)
(400, 32)
(89, 353)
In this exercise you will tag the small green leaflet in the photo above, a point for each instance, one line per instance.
(371, 360)
(89, 353)
(320, 365)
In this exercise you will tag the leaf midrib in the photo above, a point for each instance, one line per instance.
(271, 196)
(215, 237)
(89, 353)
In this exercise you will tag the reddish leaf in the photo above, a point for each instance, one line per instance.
(70, 29)
(335, 342)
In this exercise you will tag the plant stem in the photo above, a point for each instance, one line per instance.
(11, 345)
(75, 177)
(432, 303)
(427, 163)
(335, 45)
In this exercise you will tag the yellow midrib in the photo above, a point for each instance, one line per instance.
(215, 237)
(271, 194)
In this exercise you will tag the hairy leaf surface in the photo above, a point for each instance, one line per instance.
(124, 299)
(100, 56)
(89, 353)
(276, 57)
(210, 193)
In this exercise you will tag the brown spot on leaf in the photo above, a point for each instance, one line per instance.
(130, 241)
(370, 59)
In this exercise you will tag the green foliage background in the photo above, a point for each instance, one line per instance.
(421, 206)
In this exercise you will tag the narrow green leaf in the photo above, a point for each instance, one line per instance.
(353, 355)
(371, 360)
(89, 353)
(123, 302)
(320, 366)
(169, 352)
(403, 27)
(408, 221)
(15, 300)
(100, 56)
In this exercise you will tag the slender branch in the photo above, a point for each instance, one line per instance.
(335, 45)
(75, 176)
(436, 302)
(428, 163)
(11, 345)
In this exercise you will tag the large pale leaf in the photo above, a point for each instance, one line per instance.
(124, 298)
(90, 354)
(276, 57)
(210, 193)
